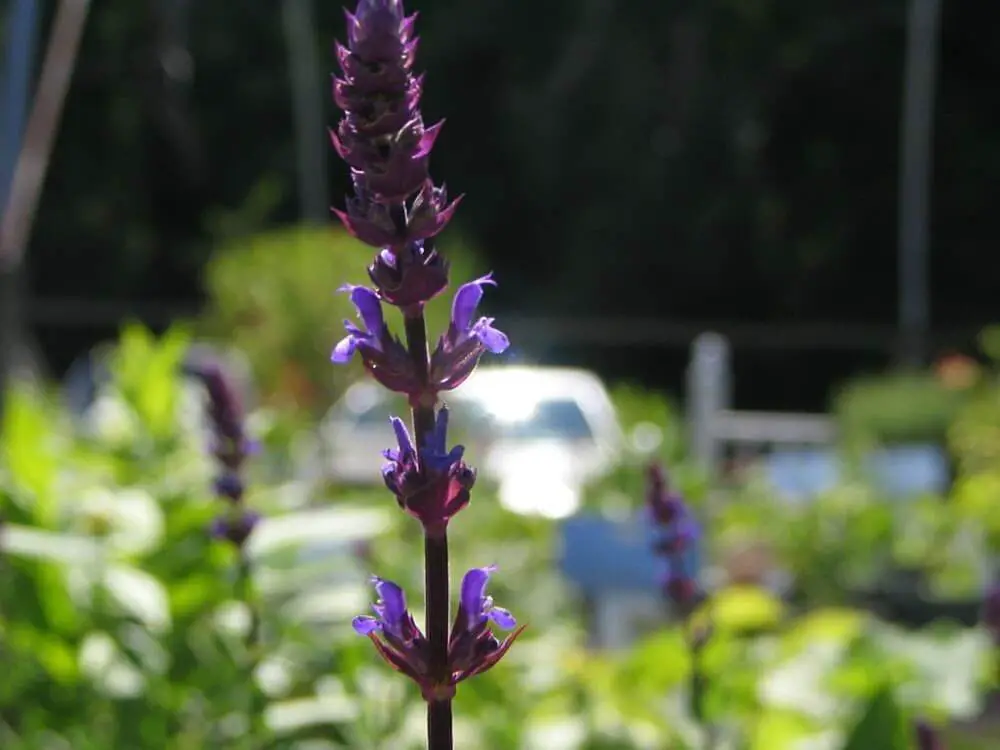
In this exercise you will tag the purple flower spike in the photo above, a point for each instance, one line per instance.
(382, 354)
(928, 738)
(991, 612)
(677, 536)
(231, 447)
(225, 410)
(434, 485)
(458, 351)
(382, 135)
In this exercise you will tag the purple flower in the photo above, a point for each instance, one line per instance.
(235, 528)
(477, 607)
(385, 358)
(991, 612)
(433, 485)
(928, 738)
(394, 632)
(664, 506)
(382, 136)
(231, 449)
(459, 349)
(472, 648)
(392, 618)
(677, 534)
(229, 485)
(409, 275)
(225, 410)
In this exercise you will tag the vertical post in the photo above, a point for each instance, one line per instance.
(304, 70)
(708, 392)
(32, 164)
(916, 151)
(15, 86)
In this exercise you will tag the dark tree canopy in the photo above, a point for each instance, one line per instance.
(687, 160)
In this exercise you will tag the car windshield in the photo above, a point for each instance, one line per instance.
(547, 418)
(556, 418)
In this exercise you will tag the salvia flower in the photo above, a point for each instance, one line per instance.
(382, 135)
(991, 612)
(235, 526)
(232, 447)
(458, 351)
(381, 353)
(928, 737)
(676, 539)
(409, 276)
(432, 485)
(472, 647)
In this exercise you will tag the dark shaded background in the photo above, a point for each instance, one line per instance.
(724, 160)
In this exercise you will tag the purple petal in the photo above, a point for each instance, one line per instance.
(494, 340)
(503, 618)
(369, 309)
(392, 601)
(406, 448)
(344, 350)
(474, 592)
(363, 625)
(439, 437)
(467, 299)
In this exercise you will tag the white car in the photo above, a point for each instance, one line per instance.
(540, 433)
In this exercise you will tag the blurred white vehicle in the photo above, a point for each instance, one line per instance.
(540, 433)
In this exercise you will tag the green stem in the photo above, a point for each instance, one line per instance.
(245, 594)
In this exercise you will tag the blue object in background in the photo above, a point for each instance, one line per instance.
(802, 474)
(601, 555)
(909, 470)
(899, 472)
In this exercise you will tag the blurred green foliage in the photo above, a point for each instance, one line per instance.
(121, 627)
(274, 296)
(901, 407)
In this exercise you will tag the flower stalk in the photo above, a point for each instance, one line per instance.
(235, 524)
(397, 209)
(676, 540)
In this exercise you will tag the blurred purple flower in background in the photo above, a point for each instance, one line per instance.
(991, 612)
(928, 738)
(676, 539)
(231, 448)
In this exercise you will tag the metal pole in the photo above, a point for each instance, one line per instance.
(914, 177)
(708, 393)
(22, 30)
(309, 142)
(32, 163)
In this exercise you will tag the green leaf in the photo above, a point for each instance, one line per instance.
(882, 725)
(26, 447)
